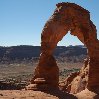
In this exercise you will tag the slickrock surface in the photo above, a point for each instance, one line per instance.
(55, 94)
(29, 94)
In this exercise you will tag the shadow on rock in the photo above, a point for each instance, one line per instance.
(96, 97)
(60, 94)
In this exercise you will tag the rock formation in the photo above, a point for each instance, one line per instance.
(73, 18)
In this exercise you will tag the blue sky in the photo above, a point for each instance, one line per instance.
(22, 21)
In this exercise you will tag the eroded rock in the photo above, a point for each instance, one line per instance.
(69, 17)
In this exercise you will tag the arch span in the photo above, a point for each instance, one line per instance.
(73, 18)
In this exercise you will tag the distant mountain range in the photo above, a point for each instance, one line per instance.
(29, 52)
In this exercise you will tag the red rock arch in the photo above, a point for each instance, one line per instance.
(73, 18)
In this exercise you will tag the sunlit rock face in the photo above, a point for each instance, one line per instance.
(68, 17)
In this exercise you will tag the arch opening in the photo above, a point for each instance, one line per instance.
(70, 40)
(69, 55)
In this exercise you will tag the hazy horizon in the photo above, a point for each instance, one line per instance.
(40, 46)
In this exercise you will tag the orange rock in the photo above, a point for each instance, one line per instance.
(69, 17)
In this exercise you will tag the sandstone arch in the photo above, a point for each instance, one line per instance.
(73, 18)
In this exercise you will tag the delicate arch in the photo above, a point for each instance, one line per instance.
(73, 18)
